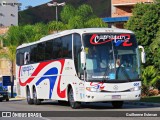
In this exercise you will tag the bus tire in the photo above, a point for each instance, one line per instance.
(35, 100)
(117, 104)
(29, 100)
(73, 103)
(63, 102)
(7, 99)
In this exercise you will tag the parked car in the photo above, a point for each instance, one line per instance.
(3, 94)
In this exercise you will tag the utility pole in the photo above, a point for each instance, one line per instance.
(56, 4)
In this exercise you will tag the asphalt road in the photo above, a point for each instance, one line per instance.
(54, 109)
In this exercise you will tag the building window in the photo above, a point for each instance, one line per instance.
(1, 14)
(1, 25)
(12, 15)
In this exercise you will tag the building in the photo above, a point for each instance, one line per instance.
(121, 11)
(8, 13)
(8, 17)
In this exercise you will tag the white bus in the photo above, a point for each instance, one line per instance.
(81, 65)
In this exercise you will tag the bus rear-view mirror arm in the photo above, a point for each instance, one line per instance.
(143, 55)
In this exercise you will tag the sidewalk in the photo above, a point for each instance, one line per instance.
(16, 99)
(142, 103)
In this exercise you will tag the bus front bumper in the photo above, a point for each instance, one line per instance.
(117, 96)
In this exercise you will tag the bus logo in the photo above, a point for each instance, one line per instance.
(115, 87)
(117, 39)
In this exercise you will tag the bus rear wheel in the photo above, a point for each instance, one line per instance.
(71, 100)
(35, 100)
(117, 104)
(29, 100)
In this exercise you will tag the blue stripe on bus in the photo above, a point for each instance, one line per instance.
(52, 79)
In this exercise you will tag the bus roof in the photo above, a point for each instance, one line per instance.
(80, 31)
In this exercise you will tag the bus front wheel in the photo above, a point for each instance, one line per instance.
(117, 104)
(35, 100)
(72, 102)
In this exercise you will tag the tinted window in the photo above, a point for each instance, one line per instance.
(67, 46)
(40, 52)
(52, 49)
(33, 53)
(57, 48)
(49, 50)
(20, 55)
(62, 47)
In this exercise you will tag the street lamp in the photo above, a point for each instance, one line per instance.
(56, 4)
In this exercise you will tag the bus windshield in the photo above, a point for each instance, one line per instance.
(111, 57)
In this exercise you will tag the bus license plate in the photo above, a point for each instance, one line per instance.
(116, 96)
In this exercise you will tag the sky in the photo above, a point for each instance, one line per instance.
(32, 3)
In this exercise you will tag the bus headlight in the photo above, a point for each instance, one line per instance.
(93, 89)
(135, 88)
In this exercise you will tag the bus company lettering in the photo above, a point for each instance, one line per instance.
(27, 69)
(117, 39)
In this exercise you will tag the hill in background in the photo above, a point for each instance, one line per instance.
(43, 13)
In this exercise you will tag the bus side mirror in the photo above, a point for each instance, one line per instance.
(26, 57)
(83, 59)
(143, 55)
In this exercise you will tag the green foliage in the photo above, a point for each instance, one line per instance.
(150, 76)
(45, 14)
(155, 50)
(80, 18)
(95, 22)
(18, 35)
(72, 19)
(14, 36)
(85, 11)
(145, 22)
(67, 13)
(11, 53)
(54, 26)
(76, 22)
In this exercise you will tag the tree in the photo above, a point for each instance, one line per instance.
(85, 11)
(95, 22)
(150, 76)
(81, 18)
(10, 53)
(144, 22)
(155, 50)
(53, 26)
(67, 13)
(75, 22)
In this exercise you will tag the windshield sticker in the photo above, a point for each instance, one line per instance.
(122, 39)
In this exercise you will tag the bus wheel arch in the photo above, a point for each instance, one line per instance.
(28, 95)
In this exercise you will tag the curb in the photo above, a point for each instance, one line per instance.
(143, 104)
(16, 99)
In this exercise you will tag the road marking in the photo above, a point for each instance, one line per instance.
(45, 118)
